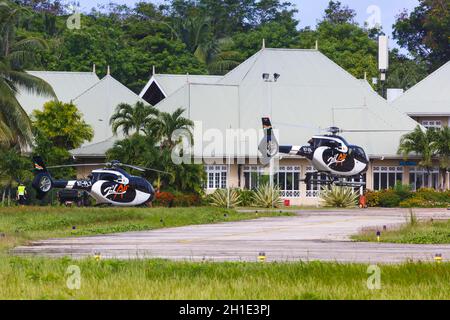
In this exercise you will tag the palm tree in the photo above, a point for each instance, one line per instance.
(195, 33)
(168, 123)
(137, 118)
(421, 143)
(15, 125)
(441, 146)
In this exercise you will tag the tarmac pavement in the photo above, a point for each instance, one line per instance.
(309, 235)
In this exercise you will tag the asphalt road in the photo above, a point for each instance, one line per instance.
(310, 235)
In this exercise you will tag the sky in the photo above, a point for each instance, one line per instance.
(383, 11)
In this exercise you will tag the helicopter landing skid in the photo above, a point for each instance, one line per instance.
(332, 180)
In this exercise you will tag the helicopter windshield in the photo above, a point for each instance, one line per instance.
(359, 154)
(328, 142)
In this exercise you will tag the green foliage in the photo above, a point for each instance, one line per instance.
(427, 198)
(58, 128)
(425, 31)
(15, 55)
(154, 150)
(420, 142)
(429, 144)
(403, 191)
(340, 197)
(372, 198)
(161, 279)
(417, 232)
(389, 198)
(63, 124)
(224, 198)
(266, 196)
(404, 73)
(246, 197)
(441, 147)
(205, 36)
(402, 196)
(13, 166)
(133, 118)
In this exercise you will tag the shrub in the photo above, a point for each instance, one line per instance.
(372, 198)
(419, 202)
(187, 200)
(403, 191)
(412, 203)
(220, 198)
(246, 197)
(433, 195)
(389, 199)
(163, 199)
(267, 197)
(341, 197)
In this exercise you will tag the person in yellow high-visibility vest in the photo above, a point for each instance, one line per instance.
(21, 194)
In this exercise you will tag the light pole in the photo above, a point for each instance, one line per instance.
(269, 79)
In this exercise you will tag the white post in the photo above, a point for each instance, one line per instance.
(228, 179)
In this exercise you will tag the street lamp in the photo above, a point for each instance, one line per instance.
(268, 78)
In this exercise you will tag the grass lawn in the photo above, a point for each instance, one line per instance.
(436, 232)
(19, 225)
(158, 279)
(45, 278)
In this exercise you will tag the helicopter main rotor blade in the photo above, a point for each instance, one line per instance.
(77, 165)
(340, 130)
(368, 130)
(142, 169)
(303, 126)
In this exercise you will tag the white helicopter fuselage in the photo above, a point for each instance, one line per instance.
(329, 163)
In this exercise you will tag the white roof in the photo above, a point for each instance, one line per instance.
(169, 83)
(66, 85)
(96, 99)
(431, 96)
(96, 149)
(98, 103)
(312, 92)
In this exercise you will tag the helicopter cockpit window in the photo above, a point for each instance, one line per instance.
(108, 177)
(326, 143)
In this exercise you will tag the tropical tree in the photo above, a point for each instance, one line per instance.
(441, 147)
(137, 150)
(425, 32)
(58, 128)
(168, 123)
(63, 124)
(14, 169)
(15, 126)
(137, 118)
(420, 142)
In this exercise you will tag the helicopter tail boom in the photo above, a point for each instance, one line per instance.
(304, 151)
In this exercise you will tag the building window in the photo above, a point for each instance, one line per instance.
(288, 180)
(313, 189)
(252, 177)
(386, 177)
(422, 178)
(359, 179)
(216, 177)
(432, 124)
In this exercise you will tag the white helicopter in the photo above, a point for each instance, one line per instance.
(330, 154)
(108, 186)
